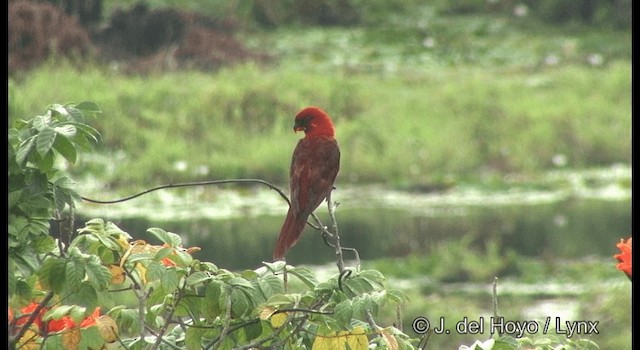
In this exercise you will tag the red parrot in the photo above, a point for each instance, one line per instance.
(314, 167)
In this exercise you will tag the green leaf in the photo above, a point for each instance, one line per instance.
(253, 330)
(397, 296)
(169, 280)
(66, 130)
(182, 257)
(373, 276)
(24, 149)
(276, 266)
(59, 109)
(75, 273)
(98, 275)
(23, 289)
(45, 140)
(52, 274)
(211, 304)
(58, 313)
(66, 149)
(305, 276)
(169, 238)
(198, 277)
(270, 285)
(90, 339)
(163, 253)
(155, 270)
(89, 106)
(193, 338)
(343, 312)
(240, 304)
(84, 294)
(44, 244)
(40, 122)
(280, 299)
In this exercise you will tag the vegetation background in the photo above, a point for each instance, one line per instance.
(425, 97)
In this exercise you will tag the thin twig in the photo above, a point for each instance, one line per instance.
(227, 322)
(494, 297)
(191, 184)
(32, 317)
(336, 237)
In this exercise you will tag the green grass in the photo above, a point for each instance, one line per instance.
(479, 104)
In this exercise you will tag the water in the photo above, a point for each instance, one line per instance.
(586, 215)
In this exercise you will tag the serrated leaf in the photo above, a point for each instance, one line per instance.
(329, 341)
(45, 140)
(84, 295)
(182, 257)
(155, 270)
(305, 276)
(343, 312)
(270, 285)
(356, 339)
(169, 280)
(169, 238)
(397, 296)
(240, 304)
(43, 244)
(52, 274)
(75, 273)
(98, 275)
(373, 276)
(198, 277)
(240, 282)
(276, 266)
(280, 299)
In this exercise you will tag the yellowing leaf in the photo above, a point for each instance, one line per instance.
(389, 339)
(278, 319)
(28, 340)
(357, 339)
(117, 274)
(123, 242)
(71, 339)
(107, 328)
(328, 342)
(266, 313)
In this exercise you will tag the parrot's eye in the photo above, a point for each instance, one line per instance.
(302, 123)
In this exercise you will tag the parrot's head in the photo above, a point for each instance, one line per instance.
(314, 122)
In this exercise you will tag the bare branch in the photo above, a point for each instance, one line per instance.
(192, 184)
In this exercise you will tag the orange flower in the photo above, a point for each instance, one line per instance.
(168, 262)
(624, 258)
(26, 313)
(91, 319)
(66, 323)
(60, 325)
